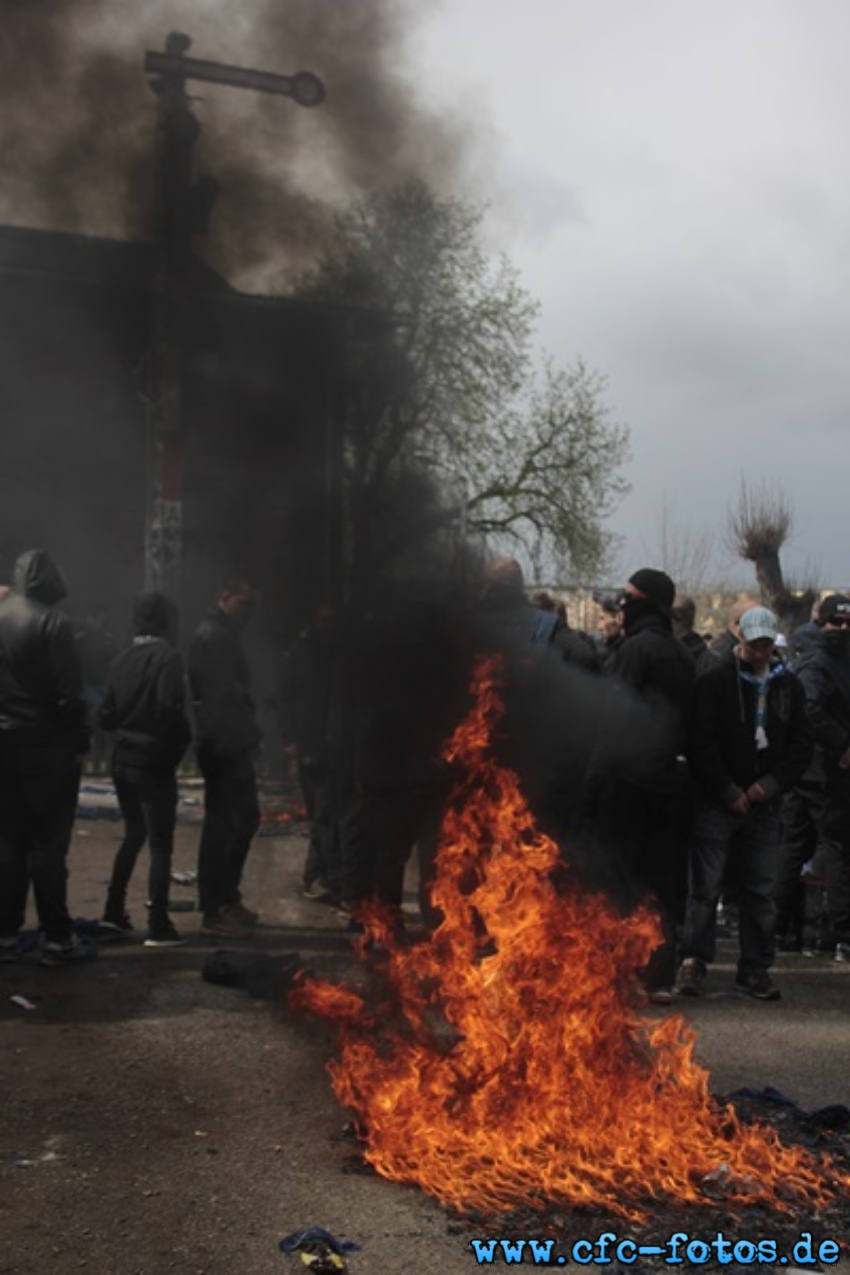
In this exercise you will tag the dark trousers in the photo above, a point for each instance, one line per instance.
(643, 829)
(803, 812)
(148, 803)
(755, 837)
(836, 835)
(39, 783)
(231, 817)
(317, 783)
(378, 832)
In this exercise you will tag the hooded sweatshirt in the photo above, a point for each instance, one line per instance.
(144, 702)
(41, 698)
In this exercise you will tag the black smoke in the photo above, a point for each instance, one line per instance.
(78, 115)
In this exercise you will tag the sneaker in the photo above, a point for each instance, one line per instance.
(691, 977)
(242, 914)
(758, 983)
(71, 952)
(10, 948)
(842, 952)
(659, 996)
(316, 892)
(167, 936)
(225, 922)
(116, 923)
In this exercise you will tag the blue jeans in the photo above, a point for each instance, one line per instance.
(756, 851)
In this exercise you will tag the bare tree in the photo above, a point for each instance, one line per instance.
(685, 552)
(528, 457)
(759, 524)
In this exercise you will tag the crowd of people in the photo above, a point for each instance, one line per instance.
(674, 771)
(736, 776)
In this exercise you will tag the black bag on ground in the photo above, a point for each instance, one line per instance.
(263, 977)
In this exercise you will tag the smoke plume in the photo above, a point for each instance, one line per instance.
(78, 119)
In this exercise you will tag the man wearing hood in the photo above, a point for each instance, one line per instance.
(43, 737)
(749, 744)
(640, 812)
(821, 801)
(227, 741)
(144, 705)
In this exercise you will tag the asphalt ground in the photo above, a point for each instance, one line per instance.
(154, 1122)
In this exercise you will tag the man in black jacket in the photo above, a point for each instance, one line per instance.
(144, 705)
(43, 737)
(820, 803)
(227, 740)
(749, 744)
(639, 813)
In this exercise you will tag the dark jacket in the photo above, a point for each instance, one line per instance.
(575, 648)
(605, 651)
(824, 670)
(144, 702)
(40, 679)
(724, 646)
(722, 750)
(308, 695)
(698, 650)
(220, 683)
(514, 622)
(658, 668)
(802, 638)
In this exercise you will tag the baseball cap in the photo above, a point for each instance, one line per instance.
(835, 607)
(757, 623)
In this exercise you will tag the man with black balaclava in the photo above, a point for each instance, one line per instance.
(44, 735)
(227, 742)
(144, 705)
(824, 670)
(639, 815)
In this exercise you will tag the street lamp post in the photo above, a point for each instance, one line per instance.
(181, 208)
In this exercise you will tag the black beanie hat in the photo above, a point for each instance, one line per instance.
(657, 587)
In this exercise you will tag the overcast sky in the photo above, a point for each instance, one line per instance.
(673, 181)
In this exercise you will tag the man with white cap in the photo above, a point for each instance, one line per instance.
(750, 743)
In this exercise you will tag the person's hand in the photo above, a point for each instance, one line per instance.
(756, 794)
(740, 805)
(844, 760)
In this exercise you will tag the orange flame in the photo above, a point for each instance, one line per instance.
(508, 1062)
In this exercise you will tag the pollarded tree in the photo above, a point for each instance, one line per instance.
(451, 389)
(758, 525)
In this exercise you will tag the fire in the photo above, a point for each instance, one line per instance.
(507, 1061)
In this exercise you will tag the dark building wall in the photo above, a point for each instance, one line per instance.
(262, 390)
